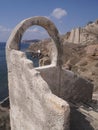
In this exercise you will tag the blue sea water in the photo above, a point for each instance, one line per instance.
(3, 68)
(3, 73)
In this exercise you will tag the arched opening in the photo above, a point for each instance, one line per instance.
(36, 43)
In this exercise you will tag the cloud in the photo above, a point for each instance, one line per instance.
(59, 13)
(4, 33)
(4, 29)
(36, 30)
(35, 33)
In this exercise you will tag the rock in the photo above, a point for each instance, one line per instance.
(68, 65)
(92, 50)
(44, 61)
(83, 62)
(4, 119)
(85, 35)
(96, 22)
(4, 115)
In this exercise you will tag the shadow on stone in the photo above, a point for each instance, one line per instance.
(79, 121)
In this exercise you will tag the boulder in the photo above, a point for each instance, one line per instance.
(92, 50)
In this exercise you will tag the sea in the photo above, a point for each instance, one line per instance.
(3, 67)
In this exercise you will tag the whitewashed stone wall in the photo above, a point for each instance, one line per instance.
(33, 105)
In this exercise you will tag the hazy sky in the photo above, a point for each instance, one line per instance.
(66, 14)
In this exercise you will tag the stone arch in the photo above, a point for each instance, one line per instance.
(16, 35)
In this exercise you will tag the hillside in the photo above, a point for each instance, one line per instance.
(80, 56)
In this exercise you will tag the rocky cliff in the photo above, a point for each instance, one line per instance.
(84, 35)
(80, 52)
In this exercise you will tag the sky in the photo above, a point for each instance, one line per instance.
(66, 15)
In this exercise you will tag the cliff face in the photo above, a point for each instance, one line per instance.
(84, 60)
(87, 34)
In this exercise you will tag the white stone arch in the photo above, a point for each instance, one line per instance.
(16, 35)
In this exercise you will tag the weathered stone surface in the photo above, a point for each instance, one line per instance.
(37, 96)
(31, 100)
(14, 39)
(33, 105)
(71, 87)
